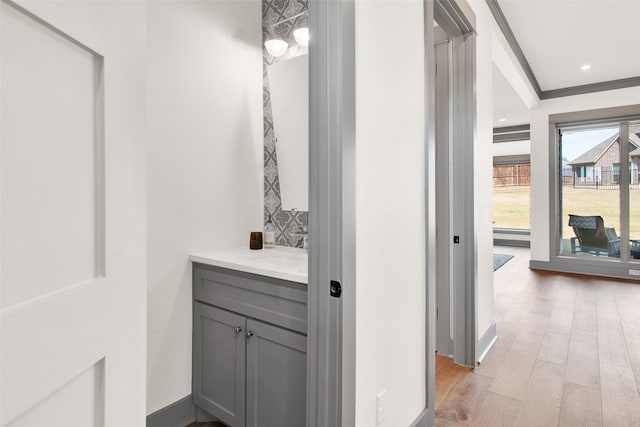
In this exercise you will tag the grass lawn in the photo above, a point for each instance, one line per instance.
(511, 207)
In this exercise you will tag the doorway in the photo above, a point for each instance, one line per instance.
(454, 45)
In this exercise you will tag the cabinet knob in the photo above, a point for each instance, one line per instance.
(238, 330)
(249, 334)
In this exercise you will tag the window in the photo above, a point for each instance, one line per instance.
(511, 185)
(599, 204)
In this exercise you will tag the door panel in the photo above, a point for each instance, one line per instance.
(73, 214)
(52, 175)
(276, 377)
(78, 402)
(47, 343)
(443, 194)
(219, 363)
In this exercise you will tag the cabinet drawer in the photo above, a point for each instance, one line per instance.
(275, 301)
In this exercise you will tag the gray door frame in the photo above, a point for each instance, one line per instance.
(332, 252)
(331, 321)
(457, 20)
(608, 267)
(463, 144)
(427, 416)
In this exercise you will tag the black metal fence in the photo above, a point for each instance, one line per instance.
(604, 177)
(599, 178)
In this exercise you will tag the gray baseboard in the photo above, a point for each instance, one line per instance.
(177, 414)
(512, 242)
(203, 416)
(613, 269)
(486, 342)
(423, 419)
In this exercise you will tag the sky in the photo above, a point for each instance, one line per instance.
(576, 143)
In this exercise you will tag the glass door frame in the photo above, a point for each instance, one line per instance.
(596, 266)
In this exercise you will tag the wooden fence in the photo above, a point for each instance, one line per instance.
(601, 178)
(518, 175)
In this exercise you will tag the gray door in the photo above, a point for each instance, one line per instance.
(444, 195)
(276, 376)
(219, 349)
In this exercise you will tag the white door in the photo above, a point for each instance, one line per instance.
(72, 213)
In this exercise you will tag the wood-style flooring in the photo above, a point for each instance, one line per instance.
(568, 354)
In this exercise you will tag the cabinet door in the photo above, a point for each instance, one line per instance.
(219, 350)
(276, 376)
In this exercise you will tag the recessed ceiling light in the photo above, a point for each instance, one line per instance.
(585, 67)
(502, 120)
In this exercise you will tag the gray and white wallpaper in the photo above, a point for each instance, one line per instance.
(287, 223)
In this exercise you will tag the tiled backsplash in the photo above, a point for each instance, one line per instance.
(287, 223)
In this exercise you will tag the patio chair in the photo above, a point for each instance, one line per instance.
(593, 236)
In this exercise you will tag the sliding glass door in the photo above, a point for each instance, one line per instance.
(634, 191)
(599, 190)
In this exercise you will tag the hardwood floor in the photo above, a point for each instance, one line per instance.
(568, 354)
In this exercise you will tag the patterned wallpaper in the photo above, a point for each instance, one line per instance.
(287, 223)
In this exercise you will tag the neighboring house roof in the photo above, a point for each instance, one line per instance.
(635, 138)
(593, 155)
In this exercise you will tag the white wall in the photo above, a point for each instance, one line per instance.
(483, 169)
(540, 152)
(205, 171)
(390, 210)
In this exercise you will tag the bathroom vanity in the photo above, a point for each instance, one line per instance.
(250, 336)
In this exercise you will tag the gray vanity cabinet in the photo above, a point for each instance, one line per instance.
(219, 387)
(249, 348)
(276, 376)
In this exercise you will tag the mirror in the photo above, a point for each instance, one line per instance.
(289, 85)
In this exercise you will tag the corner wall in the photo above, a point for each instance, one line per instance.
(483, 170)
(390, 210)
(205, 163)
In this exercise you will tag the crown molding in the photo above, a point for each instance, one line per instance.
(502, 22)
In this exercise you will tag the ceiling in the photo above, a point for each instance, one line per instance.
(507, 104)
(559, 36)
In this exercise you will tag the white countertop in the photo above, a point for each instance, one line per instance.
(281, 262)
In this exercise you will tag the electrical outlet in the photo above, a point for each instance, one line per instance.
(381, 407)
(634, 272)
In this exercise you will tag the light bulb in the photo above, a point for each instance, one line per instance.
(276, 47)
(302, 36)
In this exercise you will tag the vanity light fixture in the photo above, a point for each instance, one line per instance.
(276, 47)
(302, 36)
(585, 67)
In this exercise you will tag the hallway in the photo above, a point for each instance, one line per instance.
(568, 353)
